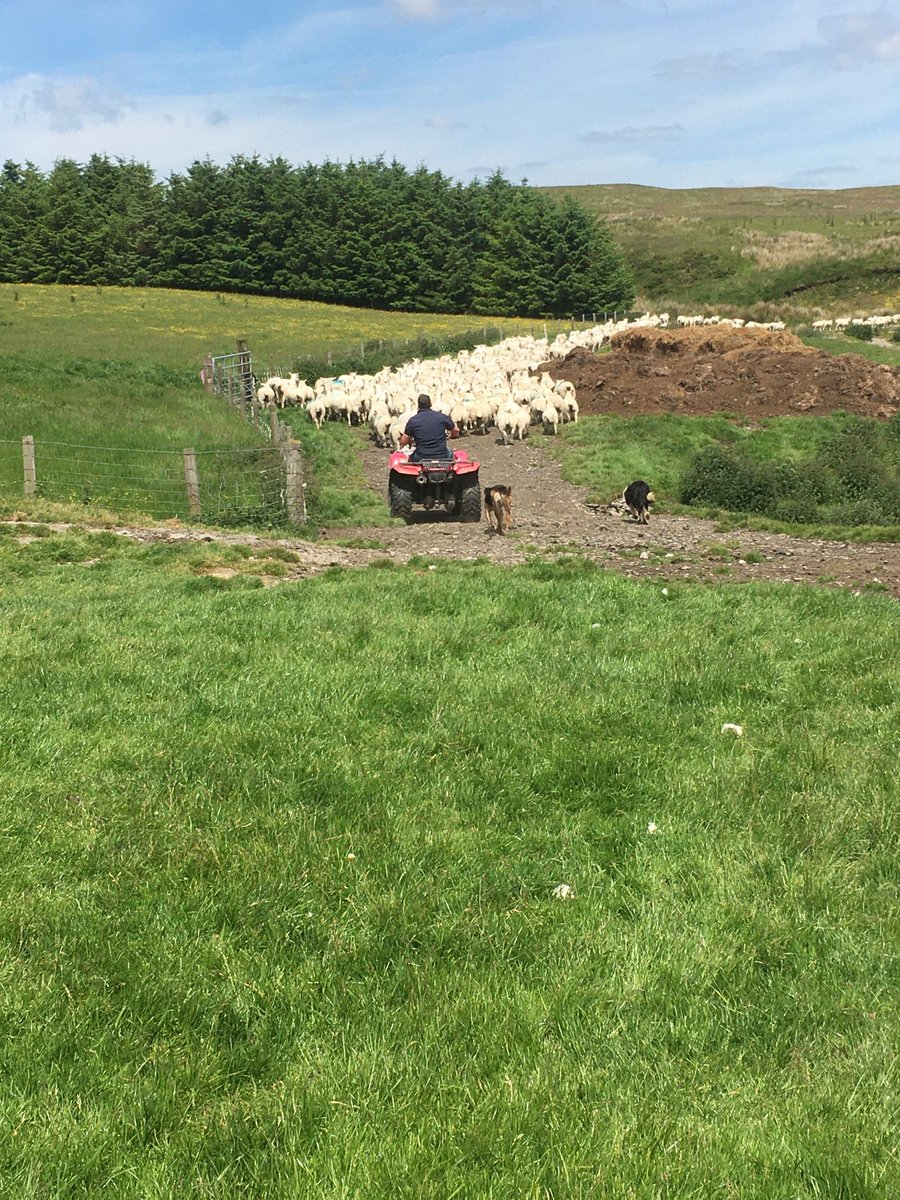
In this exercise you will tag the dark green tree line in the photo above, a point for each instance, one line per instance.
(361, 233)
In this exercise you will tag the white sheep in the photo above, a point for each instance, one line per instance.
(513, 421)
(318, 411)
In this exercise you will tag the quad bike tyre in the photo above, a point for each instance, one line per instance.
(401, 501)
(451, 484)
(470, 503)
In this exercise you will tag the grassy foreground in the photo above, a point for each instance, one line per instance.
(277, 872)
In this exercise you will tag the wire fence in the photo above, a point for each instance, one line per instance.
(221, 486)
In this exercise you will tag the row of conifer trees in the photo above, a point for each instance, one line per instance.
(361, 233)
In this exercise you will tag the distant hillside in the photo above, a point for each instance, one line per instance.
(806, 252)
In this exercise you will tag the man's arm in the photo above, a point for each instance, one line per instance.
(405, 440)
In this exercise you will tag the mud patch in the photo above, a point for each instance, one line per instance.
(753, 373)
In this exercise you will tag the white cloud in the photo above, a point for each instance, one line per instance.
(848, 42)
(815, 177)
(417, 10)
(445, 124)
(631, 135)
(63, 105)
(727, 64)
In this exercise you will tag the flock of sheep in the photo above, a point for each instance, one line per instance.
(877, 322)
(488, 387)
(481, 389)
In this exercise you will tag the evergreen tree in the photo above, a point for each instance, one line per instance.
(69, 245)
(23, 212)
(594, 277)
(133, 224)
(363, 233)
(192, 250)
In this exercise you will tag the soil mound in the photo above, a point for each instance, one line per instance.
(754, 373)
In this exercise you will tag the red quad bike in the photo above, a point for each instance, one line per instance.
(451, 483)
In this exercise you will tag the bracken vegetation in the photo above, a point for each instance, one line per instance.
(759, 252)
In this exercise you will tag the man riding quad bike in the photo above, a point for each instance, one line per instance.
(431, 475)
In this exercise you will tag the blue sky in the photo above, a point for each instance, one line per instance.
(670, 93)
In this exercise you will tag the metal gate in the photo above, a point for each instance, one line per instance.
(232, 376)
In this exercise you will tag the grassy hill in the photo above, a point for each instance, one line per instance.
(106, 380)
(798, 253)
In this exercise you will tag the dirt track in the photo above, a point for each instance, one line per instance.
(551, 516)
(753, 372)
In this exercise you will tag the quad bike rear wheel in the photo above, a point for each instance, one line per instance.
(401, 501)
(470, 502)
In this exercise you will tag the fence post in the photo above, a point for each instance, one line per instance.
(28, 464)
(207, 373)
(295, 497)
(274, 423)
(192, 481)
(254, 404)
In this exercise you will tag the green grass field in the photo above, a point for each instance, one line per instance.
(107, 383)
(600, 451)
(278, 869)
(167, 328)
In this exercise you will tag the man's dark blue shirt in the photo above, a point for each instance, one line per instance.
(429, 429)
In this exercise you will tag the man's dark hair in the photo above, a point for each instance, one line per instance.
(424, 401)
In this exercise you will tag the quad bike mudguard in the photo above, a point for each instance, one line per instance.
(449, 483)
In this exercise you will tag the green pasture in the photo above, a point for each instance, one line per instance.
(604, 453)
(599, 452)
(277, 903)
(177, 329)
(839, 343)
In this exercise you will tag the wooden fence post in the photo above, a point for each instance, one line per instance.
(274, 423)
(254, 404)
(295, 495)
(192, 481)
(28, 464)
(207, 373)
